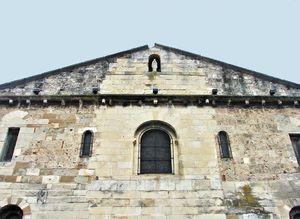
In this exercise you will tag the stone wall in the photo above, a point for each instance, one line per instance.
(259, 182)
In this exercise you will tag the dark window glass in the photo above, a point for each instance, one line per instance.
(155, 152)
(10, 143)
(86, 145)
(297, 216)
(11, 212)
(151, 67)
(295, 138)
(295, 213)
(224, 145)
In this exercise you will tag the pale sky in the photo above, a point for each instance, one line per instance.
(38, 36)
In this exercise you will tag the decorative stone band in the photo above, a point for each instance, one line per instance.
(19, 202)
(152, 99)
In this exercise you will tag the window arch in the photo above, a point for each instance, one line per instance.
(11, 212)
(156, 149)
(295, 212)
(224, 145)
(154, 58)
(86, 144)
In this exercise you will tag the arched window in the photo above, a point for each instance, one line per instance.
(86, 144)
(224, 145)
(155, 152)
(9, 145)
(154, 63)
(295, 138)
(11, 212)
(295, 213)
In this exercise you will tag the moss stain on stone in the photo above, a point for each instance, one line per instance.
(152, 75)
(248, 197)
(246, 200)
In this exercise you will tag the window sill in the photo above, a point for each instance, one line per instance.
(155, 176)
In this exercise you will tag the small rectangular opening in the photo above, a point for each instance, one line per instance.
(295, 139)
(9, 144)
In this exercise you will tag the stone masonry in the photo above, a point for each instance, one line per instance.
(260, 181)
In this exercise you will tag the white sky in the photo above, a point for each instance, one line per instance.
(38, 36)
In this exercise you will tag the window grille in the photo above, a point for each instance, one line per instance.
(155, 155)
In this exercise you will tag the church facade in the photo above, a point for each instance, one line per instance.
(150, 133)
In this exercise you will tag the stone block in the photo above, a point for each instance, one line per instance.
(80, 192)
(86, 172)
(6, 171)
(215, 184)
(146, 185)
(50, 179)
(154, 194)
(125, 165)
(255, 216)
(184, 211)
(183, 185)
(201, 185)
(156, 212)
(10, 179)
(126, 211)
(167, 184)
(21, 167)
(25, 130)
(67, 179)
(32, 172)
(111, 185)
(82, 179)
(146, 202)
(100, 210)
(212, 216)
(29, 179)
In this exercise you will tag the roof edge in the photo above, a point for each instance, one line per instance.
(227, 65)
(69, 67)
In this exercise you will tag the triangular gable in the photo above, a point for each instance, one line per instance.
(127, 73)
